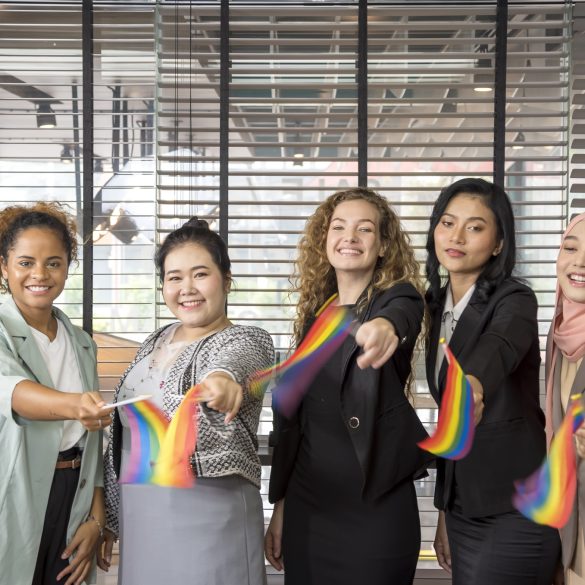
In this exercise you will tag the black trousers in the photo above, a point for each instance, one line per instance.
(506, 549)
(54, 537)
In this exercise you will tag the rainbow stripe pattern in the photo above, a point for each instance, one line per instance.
(148, 426)
(173, 467)
(548, 495)
(332, 326)
(456, 428)
(160, 451)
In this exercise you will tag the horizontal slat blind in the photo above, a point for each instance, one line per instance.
(537, 112)
(188, 119)
(40, 114)
(293, 98)
(577, 159)
(124, 183)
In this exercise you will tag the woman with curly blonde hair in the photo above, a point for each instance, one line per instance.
(51, 495)
(345, 462)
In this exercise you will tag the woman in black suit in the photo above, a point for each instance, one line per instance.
(343, 466)
(489, 320)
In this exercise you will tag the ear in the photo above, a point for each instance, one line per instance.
(228, 283)
(498, 248)
(382, 251)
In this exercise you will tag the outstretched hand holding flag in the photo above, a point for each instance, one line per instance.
(326, 335)
(160, 452)
(547, 496)
(456, 428)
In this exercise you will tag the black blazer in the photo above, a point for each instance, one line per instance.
(497, 342)
(388, 429)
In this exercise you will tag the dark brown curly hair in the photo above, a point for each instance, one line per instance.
(42, 214)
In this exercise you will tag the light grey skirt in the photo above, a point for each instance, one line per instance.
(211, 534)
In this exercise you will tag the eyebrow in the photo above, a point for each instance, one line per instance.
(571, 238)
(176, 270)
(24, 257)
(474, 218)
(345, 221)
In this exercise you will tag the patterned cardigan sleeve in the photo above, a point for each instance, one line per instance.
(238, 350)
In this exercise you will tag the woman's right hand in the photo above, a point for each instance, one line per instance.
(441, 544)
(273, 538)
(104, 550)
(90, 412)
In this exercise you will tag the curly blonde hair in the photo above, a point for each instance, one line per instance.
(42, 214)
(314, 277)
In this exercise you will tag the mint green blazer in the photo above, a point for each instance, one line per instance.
(29, 449)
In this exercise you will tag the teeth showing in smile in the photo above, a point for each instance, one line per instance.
(37, 288)
(349, 252)
(191, 303)
(577, 277)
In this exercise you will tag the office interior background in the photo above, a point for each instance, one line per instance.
(140, 114)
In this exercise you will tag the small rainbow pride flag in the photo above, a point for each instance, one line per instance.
(332, 326)
(455, 429)
(173, 466)
(160, 451)
(148, 426)
(547, 496)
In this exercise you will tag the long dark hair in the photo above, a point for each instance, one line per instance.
(195, 231)
(497, 268)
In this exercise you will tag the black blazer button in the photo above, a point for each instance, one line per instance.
(82, 483)
(354, 422)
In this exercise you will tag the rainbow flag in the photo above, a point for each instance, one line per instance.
(547, 496)
(332, 326)
(160, 451)
(173, 466)
(455, 429)
(148, 426)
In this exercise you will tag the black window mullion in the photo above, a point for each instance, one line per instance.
(87, 57)
(501, 58)
(224, 97)
(362, 93)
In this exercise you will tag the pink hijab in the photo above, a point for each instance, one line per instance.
(568, 334)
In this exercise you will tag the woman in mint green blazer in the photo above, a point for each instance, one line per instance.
(51, 496)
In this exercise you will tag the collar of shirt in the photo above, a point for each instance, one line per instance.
(455, 311)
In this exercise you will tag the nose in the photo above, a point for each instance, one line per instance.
(579, 258)
(458, 235)
(187, 287)
(350, 235)
(39, 272)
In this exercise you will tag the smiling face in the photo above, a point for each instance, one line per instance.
(36, 271)
(466, 237)
(353, 239)
(195, 290)
(571, 264)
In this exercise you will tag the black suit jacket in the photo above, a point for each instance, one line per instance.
(497, 342)
(385, 440)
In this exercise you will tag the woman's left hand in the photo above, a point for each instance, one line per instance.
(478, 404)
(580, 441)
(378, 340)
(222, 393)
(83, 546)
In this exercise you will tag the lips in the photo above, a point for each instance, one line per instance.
(193, 304)
(577, 279)
(349, 252)
(453, 253)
